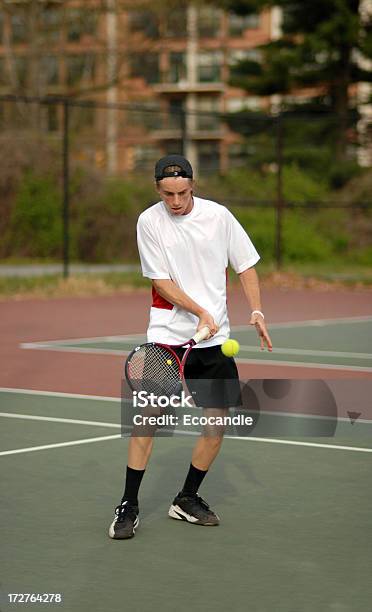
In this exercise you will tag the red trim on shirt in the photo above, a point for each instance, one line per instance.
(160, 302)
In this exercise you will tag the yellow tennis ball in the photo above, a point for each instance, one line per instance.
(230, 348)
(169, 362)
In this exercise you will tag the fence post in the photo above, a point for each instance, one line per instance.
(279, 192)
(66, 191)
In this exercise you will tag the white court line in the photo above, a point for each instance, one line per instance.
(59, 394)
(31, 449)
(92, 338)
(319, 353)
(123, 353)
(102, 424)
(253, 348)
(33, 417)
(73, 349)
(135, 337)
(241, 438)
(291, 415)
(358, 449)
(309, 323)
(302, 364)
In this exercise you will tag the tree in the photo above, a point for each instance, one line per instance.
(324, 47)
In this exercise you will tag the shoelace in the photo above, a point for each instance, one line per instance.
(124, 510)
(200, 501)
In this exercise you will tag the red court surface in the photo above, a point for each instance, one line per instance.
(33, 320)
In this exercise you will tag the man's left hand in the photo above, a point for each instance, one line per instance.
(259, 323)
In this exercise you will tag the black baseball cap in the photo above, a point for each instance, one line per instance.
(173, 160)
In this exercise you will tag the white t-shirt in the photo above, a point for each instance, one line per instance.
(193, 250)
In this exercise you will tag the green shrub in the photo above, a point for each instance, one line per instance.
(302, 241)
(105, 221)
(35, 228)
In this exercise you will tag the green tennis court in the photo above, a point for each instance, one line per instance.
(302, 344)
(295, 531)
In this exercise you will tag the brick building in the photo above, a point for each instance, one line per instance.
(172, 65)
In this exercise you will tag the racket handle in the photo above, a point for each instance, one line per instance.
(202, 334)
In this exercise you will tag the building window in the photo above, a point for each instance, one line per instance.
(177, 68)
(238, 24)
(144, 115)
(209, 21)
(176, 23)
(51, 23)
(80, 23)
(209, 66)
(145, 156)
(21, 66)
(207, 117)
(146, 66)
(19, 28)
(49, 70)
(80, 68)
(173, 119)
(52, 118)
(144, 22)
(208, 157)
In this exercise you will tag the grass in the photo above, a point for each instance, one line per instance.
(319, 276)
(74, 286)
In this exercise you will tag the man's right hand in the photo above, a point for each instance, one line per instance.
(206, 319)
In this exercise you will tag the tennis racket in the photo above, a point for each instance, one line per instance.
(156, 368)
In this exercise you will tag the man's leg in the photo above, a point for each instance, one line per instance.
(126, 514)
(188, 505)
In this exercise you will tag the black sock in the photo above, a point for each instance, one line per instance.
(132, 485)
(193, 480)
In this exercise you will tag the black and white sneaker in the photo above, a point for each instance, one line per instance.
(125, 522)
(192, 508)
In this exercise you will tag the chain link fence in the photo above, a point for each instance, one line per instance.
(75, 175)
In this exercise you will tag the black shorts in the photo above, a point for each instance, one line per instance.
(211, 377)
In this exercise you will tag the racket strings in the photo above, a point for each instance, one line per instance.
(154, 369)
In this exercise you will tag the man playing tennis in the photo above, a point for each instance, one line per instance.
(185, 244)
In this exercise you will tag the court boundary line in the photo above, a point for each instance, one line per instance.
(310, 322)
(30, 449)
(63, 346)
(292, 415)
(87, 440)
(36, 417)
(310, 352)
(118, 400)
(136, 336)
(305, 322)
(243, 361)
(251, 348)
(60, 394)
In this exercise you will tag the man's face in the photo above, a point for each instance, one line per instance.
(176, 193)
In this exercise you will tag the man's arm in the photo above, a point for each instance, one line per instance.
(249, 280)
(173, 294)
